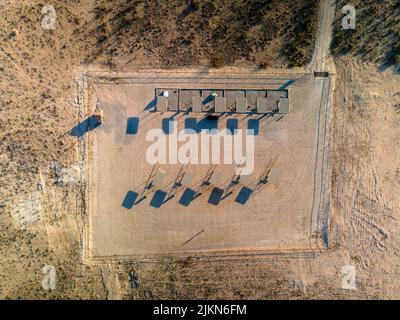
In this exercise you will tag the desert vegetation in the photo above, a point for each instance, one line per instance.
(181, 33)
(37, 91)
(376, 37)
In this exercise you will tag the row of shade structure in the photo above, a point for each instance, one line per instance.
(209, 101)
(183, 185)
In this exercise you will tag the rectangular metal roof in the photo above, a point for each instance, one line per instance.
(196, 104)
(262, 105)
(162, 103)
(220, 104)
(241, 104)
(283, 105)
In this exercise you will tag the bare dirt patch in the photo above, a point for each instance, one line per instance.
(280, 217)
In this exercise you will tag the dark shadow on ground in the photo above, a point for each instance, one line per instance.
(390, 61)
(167, 125)
(286, 85)
(254, 125)
(203, 124)
(158, 199)
(187, 197)
(190, 124)
(192, 7)
(151, 105)
(243, 195)
(207, 124)
(85, 126)
(215, 196)
(232, 125)
(129, 200)
(208, 99)
(132, 125)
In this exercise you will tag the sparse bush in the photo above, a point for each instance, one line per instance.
(372, 40)
(208, 9)
(264, 64)
(201, 30)
(217, 60)
(299, 47)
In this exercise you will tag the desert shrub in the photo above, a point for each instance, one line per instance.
(264, 64)
(199, 30)
(299, 47)
(208, 9)
(217, 60)
(376, 36)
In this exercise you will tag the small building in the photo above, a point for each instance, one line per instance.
(162, 103)
(283, 105)
(241, 104)
(262, 105)
(277, 94)
(272, 105)
(220, 104)
(266, 105)
(196, 104)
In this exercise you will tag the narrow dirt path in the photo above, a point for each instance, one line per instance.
(324, 35)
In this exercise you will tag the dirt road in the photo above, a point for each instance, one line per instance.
(322, 61)
(324, 36)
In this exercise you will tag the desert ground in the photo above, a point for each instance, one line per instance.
(43, 188)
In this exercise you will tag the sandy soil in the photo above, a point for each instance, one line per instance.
(280, 217)
(365, 207)
(41, 200)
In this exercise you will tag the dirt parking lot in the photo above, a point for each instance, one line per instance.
(279, 217)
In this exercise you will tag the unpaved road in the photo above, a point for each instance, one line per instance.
(324, 36)
(322, 61)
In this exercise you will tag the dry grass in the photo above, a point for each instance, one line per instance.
(377, 34)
